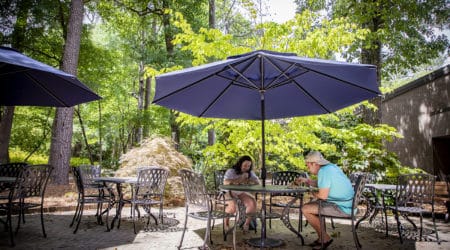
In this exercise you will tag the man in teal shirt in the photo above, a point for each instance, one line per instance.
(333, 184)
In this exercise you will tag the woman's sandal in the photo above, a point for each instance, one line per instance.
(325, 245)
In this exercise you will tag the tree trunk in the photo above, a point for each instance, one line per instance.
(212, 25)
(168, 35)
(6, 119)
(100, 134)
(212, 14)
(60, 147)
(372, 55)
(148, 93)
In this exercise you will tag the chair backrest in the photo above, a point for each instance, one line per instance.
(78, 180)
(88, 173)
(218, 178)
(415, 189)
(286, 177)
(34, 180)
(370, 178)
(194, 189)
(11, 169)
(360, 183)
(151, 181)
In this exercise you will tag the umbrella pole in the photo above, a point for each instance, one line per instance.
(263, 160)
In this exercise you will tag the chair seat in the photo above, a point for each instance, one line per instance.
(279, 204)
(215, 214)
(335, 216)
(94, 199)
(269, 215)
(414, 210)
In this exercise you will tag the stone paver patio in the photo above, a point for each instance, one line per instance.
(93, 236)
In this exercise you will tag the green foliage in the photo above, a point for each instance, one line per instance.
(409, 33)
(353, 145)
(17, 155)
(76, 161)
(126, 42)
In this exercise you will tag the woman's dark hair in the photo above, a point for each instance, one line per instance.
(238, 164)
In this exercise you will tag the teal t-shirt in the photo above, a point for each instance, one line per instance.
(331, 176)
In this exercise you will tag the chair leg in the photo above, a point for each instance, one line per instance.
(207, 234)
(75, 214)
(79, 217)
(9, 225)
(42, 219)
(184, 229)
(234, 234)
(21, 213)
(322, 228)
(133, 216)
(421, 226)
(398, 226)
(434, 226)
(355, 236)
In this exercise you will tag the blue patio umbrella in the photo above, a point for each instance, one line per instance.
(27, 82)
(264, 85)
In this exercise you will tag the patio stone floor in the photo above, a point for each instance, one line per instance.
(93, 236)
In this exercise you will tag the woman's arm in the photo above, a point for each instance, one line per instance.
(241, 179)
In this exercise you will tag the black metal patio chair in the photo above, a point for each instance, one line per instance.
(28, 191)
(10, 170)
(358, 187)
(286, 178)
(148, 191)
(9, 193)
(91, 192)
(413, 192)
(200, 205)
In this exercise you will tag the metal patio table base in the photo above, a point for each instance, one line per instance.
(267, 242)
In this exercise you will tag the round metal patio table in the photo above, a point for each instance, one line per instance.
(264, 241)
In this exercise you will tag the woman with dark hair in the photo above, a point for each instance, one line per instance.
(241, 174)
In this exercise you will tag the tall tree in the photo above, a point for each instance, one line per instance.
(404, 34)
(60, 148)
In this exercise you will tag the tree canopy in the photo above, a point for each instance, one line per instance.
(125, 44)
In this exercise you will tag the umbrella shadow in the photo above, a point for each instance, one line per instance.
(342, 236)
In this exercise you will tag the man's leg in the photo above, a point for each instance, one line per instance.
(311, 213)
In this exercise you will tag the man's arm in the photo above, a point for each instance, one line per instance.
(322, 194)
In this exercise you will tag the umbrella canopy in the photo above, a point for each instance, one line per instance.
(264, 85)
(27, 82)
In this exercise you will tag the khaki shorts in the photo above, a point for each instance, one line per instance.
(330, 209)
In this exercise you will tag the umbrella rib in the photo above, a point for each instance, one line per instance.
(283, 73)
(14, 72)
(215, 100)
(190, 85)
(231, 66)
(330, 76)
(238, 83)
(47, 90)
(311, 96)
(338, 79)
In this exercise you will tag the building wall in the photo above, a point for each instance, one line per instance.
(420, 111)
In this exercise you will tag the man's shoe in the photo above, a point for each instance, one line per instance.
(325, 245)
